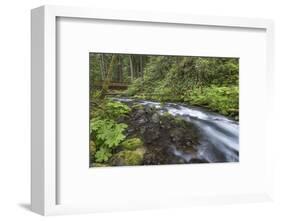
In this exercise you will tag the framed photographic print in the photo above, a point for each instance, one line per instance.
(135, 110)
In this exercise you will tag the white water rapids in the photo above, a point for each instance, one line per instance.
(219, 140)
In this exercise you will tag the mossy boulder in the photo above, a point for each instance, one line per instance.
(179, 121)
(128, 158)
(137, 107)
(131, 144)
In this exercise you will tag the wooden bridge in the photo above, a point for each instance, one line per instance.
(114, 85)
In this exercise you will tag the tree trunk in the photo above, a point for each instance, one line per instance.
(119, 69)
(131, 67)
(108, 76)
(141, 66)
(102, 67)
(141, 72)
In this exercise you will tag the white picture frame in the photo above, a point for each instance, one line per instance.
(44, 171)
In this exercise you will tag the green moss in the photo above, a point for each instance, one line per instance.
(138, 107)
(179, 121)
(131, 144)
(166, 114)
(127, 158)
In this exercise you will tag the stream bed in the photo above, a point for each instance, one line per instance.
(217, 138)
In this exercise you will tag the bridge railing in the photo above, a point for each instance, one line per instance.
(112, 84)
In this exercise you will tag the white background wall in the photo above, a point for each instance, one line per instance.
(15, 107)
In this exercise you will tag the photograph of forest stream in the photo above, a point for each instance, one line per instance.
(162, 109)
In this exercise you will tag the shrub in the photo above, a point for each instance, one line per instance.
(107, 135)
(224, 100)
(102, 155)
(135, 87)
(105, 132)
(115, 109)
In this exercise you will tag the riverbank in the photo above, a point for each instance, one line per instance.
(153, 138)
(222, 100)
(158, 134)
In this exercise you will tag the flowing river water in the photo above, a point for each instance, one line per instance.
(219, 140)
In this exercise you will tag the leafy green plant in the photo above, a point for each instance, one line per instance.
(108, 132)
(107, 135)
(105, 132)
(135, 87)
(108, 109)
(115, 109)
(103, 155)
(221, 99)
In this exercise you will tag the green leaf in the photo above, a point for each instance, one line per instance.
(102, 155)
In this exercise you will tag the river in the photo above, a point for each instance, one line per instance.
(219, 140)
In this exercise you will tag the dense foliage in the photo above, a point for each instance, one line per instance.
(106, 133)
(221, 99)
(210, 82)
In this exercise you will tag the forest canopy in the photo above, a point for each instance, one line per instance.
(203, 81)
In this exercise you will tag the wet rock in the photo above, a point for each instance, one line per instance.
(196, 160)
(155, 156)
(177, 134)
(189, 149)
(151, 134)
(141, 121)
(160, 155)
(139, 113)
(155, 118)
(121, 119)
(148, 109)
(142, 130)
(159, 133)
(130, 130)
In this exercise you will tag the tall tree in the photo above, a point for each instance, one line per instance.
(141, 66)
(102, 69)
(131, 67)
(108, 78)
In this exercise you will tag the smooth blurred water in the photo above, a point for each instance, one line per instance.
(219, 135)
